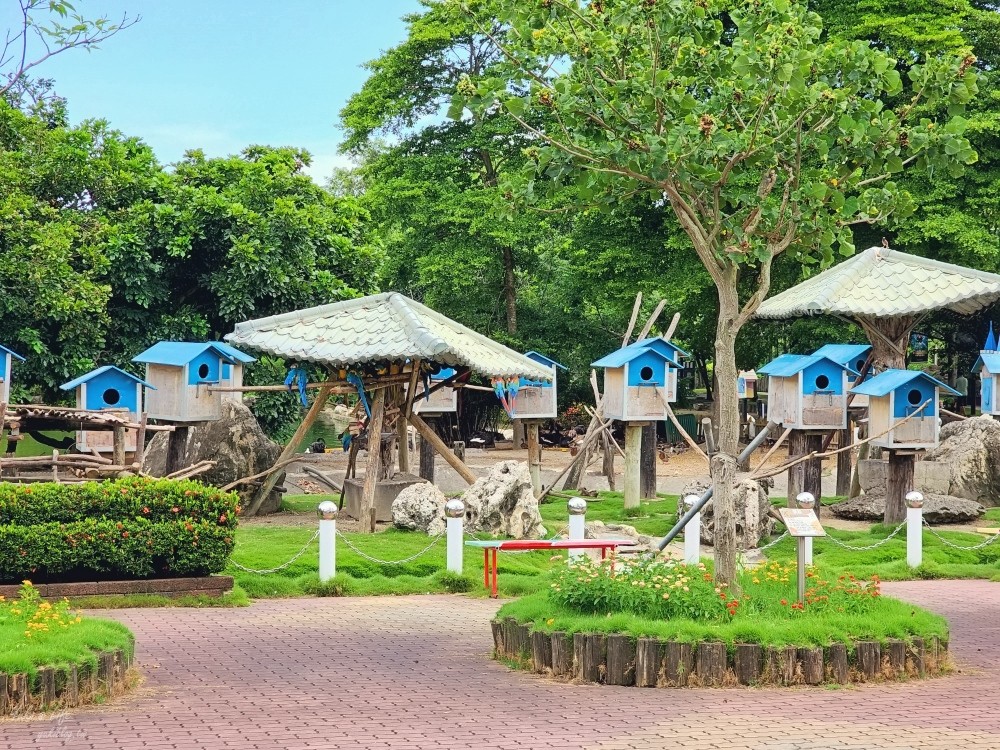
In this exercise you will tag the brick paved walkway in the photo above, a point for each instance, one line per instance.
(414, 672)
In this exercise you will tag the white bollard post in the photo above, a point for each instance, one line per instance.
(327, 512)
(692, 533)
(577, 508)
(914, 529)
(455, 512)
(807, 500)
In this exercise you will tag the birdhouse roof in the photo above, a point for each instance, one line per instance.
(880, 282)
(888, 381)
(656, 341)
(242, 357)
(11, 353)
(71, 385)
(387, 327)
(989, 360)
(627, 354)
(543, 359)
(843, 353)
(179, 353)
(788, 365)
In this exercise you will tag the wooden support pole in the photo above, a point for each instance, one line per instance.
(118, 446)
(812, 479)
(796, 474)
(403, 446)
(290, 449)
(176, 450)
(439, 445)
(140, 441)
(373, 472)
(844, 462)
(633, 448)
(608, 464)
(55, 466)
(534, 457)
(647, 462)
(426, 458)
(899, 481)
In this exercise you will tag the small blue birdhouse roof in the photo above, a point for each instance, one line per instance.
(179, 353)
(888, 381)
(241, 357)
(71, 385)
(788, 365)
(542, 359)
(988, 360)
(662, 345)
(845, 354)
(13, 354)
(621, 357)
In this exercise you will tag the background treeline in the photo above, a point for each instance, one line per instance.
(104, 251)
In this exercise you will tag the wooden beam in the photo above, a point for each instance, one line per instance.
(438, 444)
(290, 448)
(140, 441)
(633, 447)
(534, 457)
(374, 469)
(118, 449)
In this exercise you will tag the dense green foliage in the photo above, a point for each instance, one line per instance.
(37, 633)
(128, 528)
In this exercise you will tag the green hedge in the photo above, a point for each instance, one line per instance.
(128, 528)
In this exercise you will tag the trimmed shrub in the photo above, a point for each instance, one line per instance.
(127, 528)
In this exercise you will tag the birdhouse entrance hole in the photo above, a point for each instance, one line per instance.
(646, 373)
(822, 382)
(203, 371)
(914, 397)
(111, 396)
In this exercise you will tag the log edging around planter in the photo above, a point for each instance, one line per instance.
(170, 587)
(68, 686)
(618, 659)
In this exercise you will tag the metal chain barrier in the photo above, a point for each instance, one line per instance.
(772, 543)
(951, 544)
(851, 547)
(368, 557)
(280, 567)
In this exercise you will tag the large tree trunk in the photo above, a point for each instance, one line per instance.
(509, 290)
(724, 462)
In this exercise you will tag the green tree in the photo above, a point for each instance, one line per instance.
(222, 240)
(733, 116)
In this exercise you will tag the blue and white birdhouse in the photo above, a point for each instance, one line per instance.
(188, 377)
(5, 371)
(536, 399)
(988, 368)
(442, 401)
(669, 348)
(637, 380)
(232, 374)
(107, 389)
(807, 392)
(853, 356)
(896, 395)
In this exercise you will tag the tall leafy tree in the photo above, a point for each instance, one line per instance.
(736, 119)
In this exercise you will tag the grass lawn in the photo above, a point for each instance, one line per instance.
(37, 634)
(653, 517)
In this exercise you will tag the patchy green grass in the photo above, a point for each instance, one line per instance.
(235, 598)
(653, 517)
(37, 634)
(304, 503)
(888, 561)
(264, 547)
(892, 619)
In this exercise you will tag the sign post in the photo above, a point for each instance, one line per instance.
(801, 524)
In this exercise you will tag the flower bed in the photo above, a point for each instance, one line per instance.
(664, 623)
(53, 656)
(128, 528)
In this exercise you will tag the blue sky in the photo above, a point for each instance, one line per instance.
(223, 74)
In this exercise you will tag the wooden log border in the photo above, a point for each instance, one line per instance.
(617, 659)
(67, 687)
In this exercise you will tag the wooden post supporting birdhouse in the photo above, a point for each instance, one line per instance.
(633, 449)
(534, 455)
(647, 462)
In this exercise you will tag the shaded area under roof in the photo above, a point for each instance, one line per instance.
(881, 282)
(387, 327)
